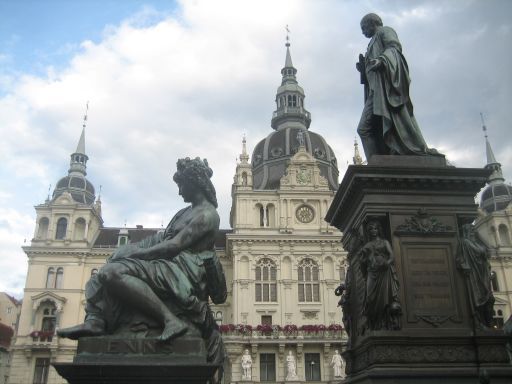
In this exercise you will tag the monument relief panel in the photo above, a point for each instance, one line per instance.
(429, 282)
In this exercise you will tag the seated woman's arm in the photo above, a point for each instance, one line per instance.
(204, 224)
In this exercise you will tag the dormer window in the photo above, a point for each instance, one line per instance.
(123, 237)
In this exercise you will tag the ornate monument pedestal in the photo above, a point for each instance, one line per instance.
(421, 204)
(112, 359)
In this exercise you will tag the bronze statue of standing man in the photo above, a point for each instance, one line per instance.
(387, 125)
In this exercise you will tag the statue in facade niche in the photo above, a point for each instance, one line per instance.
(161, 285)
(387, 125)
(291, 367)
(337, 364)
(473, 259)
(246, 366)
(381, 307)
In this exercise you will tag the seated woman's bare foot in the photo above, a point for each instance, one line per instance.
(172, 329)
(88, 328)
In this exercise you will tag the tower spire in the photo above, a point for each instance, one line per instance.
(290, 96)
(357, 157)
(244, 157)
(80, 148)
(78, 162)
(496, 175)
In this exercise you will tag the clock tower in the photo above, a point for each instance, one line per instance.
(283, 258)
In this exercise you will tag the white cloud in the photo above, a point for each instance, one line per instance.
(191, 83)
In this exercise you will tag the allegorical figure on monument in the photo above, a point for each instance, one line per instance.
(473, 259)
(161, 285)
(387, 125)
(246, 366)
(346, 288)
(381, 307)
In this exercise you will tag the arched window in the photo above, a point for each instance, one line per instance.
(263, 215)
(504, 235)
(62, 226)
(50, 278)
(342, 274)
(218, 318)
(266, 285)
(294, 101)
(244, 179)
(497, 319)
(289, 100)
(79, 232)
(58, 277)
(42, 231)
(48, 320)
(309, 287)
(494, 282)
(270, 215)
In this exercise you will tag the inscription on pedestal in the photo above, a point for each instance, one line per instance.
(117, 346)
(429, 283)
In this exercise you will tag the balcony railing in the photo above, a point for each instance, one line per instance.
(291, 110)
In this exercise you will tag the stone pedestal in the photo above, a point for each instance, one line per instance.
(421, 203)
(146, 361)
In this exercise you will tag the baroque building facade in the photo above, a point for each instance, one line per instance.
(282, 260)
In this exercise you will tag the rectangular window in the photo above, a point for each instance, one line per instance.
(273, 292)
(267, 367)
(316, 292)
(265, 292)
(41, 371)
(312, 366)
(258, 292)
(266, 320)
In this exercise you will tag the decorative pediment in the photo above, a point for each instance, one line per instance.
(498, 301)
(303, 173)
(40, 298)
(64, 199)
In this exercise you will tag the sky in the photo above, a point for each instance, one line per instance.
(170, 79)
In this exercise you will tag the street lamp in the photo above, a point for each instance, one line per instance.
(312, 366)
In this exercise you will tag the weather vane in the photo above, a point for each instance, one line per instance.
(287, 35)
(86, 112)
(484, 128)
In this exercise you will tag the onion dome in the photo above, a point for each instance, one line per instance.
(271, 155)
(497, 195)
(75, 183)
(291, 123)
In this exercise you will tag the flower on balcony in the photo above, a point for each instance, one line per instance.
(264, 328)
(335, 327)
(290, 329)
(244, 329)
(226, 328)
(42, 335)
(313, 328)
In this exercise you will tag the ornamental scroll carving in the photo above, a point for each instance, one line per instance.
(423, 223)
